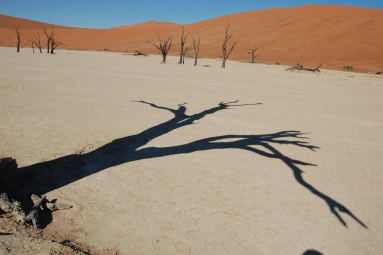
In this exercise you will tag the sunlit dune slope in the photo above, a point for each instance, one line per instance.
(334, 36)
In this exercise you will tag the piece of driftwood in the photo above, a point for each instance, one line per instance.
(13, 207)
(34, 213)
(51, 205)
(300, 67)
(138, 53)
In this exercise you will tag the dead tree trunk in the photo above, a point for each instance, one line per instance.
(164, 47)
(225, 54)
(54, 44)
(36, 42)
(18, 39)
(183, 40)
(196, 48)
(49, 37)
(252, 52)
(184, 53)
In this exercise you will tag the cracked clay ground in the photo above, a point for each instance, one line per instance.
(171, 159)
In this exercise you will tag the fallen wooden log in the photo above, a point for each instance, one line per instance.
(300, 67)
(138, 53)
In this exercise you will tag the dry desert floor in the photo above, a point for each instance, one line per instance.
(177, 159)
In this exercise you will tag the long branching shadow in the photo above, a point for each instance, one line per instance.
(46, 176)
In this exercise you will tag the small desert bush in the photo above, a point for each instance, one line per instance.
(277, 63)
(268, 63)
(348, 68)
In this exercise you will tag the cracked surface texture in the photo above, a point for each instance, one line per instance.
(293, 165)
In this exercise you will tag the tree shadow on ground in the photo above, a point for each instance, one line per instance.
(312, 252)
(43, 177)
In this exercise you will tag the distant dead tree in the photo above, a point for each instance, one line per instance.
(17, 34)
(226, 54)
(49, 37)
(183, 40)
(36, 41)
(164, 47)
(196, 48)
(54, 44)
(184, 53)
(252, 52)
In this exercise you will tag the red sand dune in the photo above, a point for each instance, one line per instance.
(311, 35)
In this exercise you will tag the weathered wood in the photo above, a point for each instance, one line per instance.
(252, 52)
(183, 41)
(51, 205)
(196, 45)
(13, 207)
(300, 67)
(225, 54)
(34, 213)
(138, 53)
(17, 34)
(164, 47)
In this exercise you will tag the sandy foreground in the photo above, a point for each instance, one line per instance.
(177, 159)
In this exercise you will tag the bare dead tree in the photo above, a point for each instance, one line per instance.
(17, 34)
(226, 54)
(196, 48)
(164, 47)
(49, 37)
(252, 52)
(184, 53)
(183, 41)
(54, 44)
(36, 41)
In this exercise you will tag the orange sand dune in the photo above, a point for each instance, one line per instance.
(150, 23)
(334, 36)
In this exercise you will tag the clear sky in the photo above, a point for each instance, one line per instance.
(112, 13)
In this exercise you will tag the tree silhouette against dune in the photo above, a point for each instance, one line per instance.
(46, 176)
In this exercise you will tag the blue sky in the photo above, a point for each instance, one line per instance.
(106, 14)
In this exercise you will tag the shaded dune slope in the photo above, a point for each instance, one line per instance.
(311, 35)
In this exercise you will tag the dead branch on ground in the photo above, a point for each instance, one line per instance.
(300, 67)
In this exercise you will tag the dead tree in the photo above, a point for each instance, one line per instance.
(226, 54)
(49, 37)
(54, 44)
(183, 40)
(196, 48)
(184, 53)
(164, 47)
(252, 52)
(18, 39)
(36, 41)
